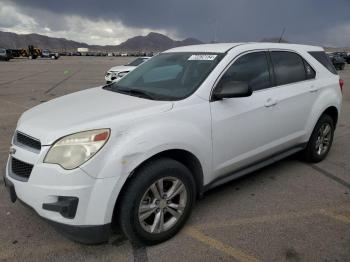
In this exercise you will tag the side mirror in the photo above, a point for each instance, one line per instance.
(232, 89)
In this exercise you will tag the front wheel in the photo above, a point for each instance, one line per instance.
(157, 202)
(320, 141)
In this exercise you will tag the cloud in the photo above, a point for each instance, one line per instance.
(11, 19)
(73, 27)
(338, 36)
(306, 21)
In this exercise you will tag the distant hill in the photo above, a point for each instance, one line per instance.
(151, 42)
(154, 42)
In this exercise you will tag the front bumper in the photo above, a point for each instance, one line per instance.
(49, 184)
(82, 234)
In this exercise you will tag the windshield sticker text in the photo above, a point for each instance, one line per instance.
(202, 57)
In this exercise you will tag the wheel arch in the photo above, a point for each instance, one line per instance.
(332, 111)
(185, 157)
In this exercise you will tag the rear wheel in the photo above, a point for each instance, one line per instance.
(157, 202)
(320, 141)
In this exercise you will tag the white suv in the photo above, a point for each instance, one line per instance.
(115, 73)
(138, 152)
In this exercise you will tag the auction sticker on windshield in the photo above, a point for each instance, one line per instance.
(202, 57)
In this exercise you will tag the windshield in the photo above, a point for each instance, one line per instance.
(168, 76)
(137, 61)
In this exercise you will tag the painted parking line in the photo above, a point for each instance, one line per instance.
(216, 244)
(337, 217)
(278, 217)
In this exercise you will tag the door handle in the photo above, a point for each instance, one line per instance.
(270, 102)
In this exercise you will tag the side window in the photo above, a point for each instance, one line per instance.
(251, 68)
(288, 67)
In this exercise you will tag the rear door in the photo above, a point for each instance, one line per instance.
(296, 93)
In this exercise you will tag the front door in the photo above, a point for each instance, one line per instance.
(243, 129)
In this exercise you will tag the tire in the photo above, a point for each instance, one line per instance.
(312, 152)
(138, 191)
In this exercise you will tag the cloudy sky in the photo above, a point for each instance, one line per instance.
(323, 22)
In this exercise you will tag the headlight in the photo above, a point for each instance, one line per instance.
(121, 74)
(114, 74)
(72, 151)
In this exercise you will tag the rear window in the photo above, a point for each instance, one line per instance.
(288, 67)
(321, 57)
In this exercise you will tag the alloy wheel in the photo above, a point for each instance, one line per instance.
(162, 205)
(323, 139)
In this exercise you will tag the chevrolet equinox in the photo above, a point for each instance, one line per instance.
(138, 153)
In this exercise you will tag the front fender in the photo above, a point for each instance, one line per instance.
(132, 148)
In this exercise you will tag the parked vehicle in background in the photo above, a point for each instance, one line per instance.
(5, 54)
(337, 60)
(347, 58)
(139, 152)
(344, 55)
(48, 54)
(117, 72)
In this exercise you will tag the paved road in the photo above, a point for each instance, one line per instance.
(290, 211)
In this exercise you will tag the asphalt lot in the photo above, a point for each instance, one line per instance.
(290, 211)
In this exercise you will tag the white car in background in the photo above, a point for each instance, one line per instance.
(117, 72)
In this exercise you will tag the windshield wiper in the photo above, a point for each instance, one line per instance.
(136, 92)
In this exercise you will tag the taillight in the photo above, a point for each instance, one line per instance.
(341, 84)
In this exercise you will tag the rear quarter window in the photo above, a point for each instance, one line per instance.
(321, 57)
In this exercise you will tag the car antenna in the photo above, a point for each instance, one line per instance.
(283, 31)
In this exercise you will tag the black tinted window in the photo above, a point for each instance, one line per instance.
(321, 57)
(252, 69)
(288, 67)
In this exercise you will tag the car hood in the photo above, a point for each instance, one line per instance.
(121, 68)
(85, 110)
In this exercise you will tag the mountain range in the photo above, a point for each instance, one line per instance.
(151, 42)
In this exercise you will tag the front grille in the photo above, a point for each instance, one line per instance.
(20, 168)
(27, 141)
